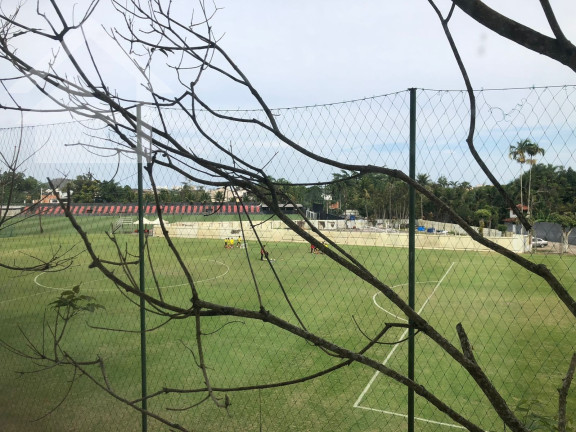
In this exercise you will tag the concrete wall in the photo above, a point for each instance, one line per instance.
(455, 228)
(11, 211)
(276, 231)
(552, 232)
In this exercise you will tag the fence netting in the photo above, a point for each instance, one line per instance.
(233, 251)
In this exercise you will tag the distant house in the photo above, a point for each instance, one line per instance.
(227, 194)
(513, 218)
(48, 196)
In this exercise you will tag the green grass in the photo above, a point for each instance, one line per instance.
(521, 335)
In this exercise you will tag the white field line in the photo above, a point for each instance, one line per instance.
(205, 280)
(386, 310)
(415, 418)
(403, 336)
(23, 297)
(68, 287)
(37, 282)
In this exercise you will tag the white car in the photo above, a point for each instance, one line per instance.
(538, 242)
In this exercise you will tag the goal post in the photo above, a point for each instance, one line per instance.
(311, 215)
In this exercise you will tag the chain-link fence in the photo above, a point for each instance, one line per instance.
(232, 251)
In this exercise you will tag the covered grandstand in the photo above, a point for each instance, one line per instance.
(106, 209)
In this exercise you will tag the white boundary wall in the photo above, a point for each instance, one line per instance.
(276, 231)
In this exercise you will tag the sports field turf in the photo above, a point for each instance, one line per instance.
(521, 334)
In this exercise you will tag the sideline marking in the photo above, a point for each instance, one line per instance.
(403, 336)
(415, 418)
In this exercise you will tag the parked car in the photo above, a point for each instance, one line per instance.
(538, 242)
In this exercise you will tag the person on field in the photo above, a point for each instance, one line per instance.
(263, 253)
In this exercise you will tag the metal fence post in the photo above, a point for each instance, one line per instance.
(141, 265)
(412, 255)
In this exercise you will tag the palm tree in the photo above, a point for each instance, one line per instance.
(517, 152)
(424, 180)
(524, 152)
(340, 188)
(532, 150)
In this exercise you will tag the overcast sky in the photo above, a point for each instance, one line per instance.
(308, 52)
(304, 52)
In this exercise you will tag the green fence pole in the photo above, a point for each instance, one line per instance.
(141, 265)
(412, 256)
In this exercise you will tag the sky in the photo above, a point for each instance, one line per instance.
(313, 52)
(308, 52)
(303, 52)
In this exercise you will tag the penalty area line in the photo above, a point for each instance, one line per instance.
(415, 418)
(375, 301)
(403, 336)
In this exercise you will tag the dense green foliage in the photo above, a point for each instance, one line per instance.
(375, 196)
(16, 188)
(553, 190)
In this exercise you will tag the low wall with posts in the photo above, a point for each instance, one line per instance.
(455, 228)
(10, 211)
(277, 231)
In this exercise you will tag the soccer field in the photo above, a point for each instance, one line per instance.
(521, 335)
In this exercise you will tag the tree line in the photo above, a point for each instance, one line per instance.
(377, 196)
(552, 190)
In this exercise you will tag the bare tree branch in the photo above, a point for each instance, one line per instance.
(563, 394)
(560, 49)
